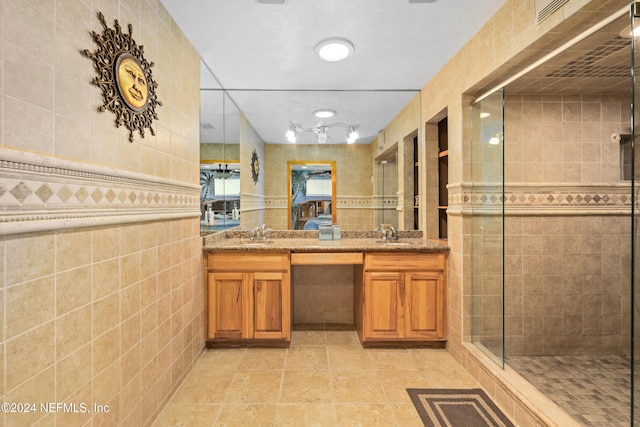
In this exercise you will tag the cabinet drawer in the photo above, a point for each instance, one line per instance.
(250, 262)
(404, 261)
(338, 258)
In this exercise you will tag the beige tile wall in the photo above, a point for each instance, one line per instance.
(104, 314)
(252, 193)
(322, 295)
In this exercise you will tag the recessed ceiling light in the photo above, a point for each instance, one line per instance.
(324, 114)
(270, 1)
(333, 50)
(422, 1)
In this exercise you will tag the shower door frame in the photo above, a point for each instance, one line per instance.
(635, 69)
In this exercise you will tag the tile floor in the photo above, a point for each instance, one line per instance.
(594, 390)
(324, 378)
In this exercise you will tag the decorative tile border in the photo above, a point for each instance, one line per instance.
(540, 199)
(40, 193)
(252, 202)
(343, 202)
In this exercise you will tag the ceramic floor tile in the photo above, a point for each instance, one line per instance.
(250, 415)
(306, 357)
(358, 386)
(370, 415)
(222, 358)
(449, 379)
(308, 415)
(308, 338)
(342, 338)
(255, 386)
(263, 358)
(187, 415)
(306, 387)
(325, 378)
(207, 388)
(432, 359)
(348, 357)
(392, 359)
(395, 383)
(406, 415)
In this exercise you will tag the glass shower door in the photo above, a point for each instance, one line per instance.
(635, 223)
(487, 226)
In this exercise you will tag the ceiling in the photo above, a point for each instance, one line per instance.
(263, 55)
(597, 65)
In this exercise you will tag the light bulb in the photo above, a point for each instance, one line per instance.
(291, 136)
(352, 135)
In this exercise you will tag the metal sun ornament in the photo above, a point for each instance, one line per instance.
(124, 75)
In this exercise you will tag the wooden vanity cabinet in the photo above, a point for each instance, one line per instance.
(248, 298)
(403, 297)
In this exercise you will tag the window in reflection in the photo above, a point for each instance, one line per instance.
(219, 195)
(311, 201)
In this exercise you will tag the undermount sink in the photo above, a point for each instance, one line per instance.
(256, 242)
(392, 243)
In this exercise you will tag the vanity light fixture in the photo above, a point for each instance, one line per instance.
(321, 130)
(334, 50)
(322, 136)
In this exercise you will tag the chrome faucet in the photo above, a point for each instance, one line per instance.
(259, 233)
(392, 233)
(389, 232)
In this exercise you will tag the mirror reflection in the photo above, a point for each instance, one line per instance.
(219, 195)
(312, 189)
(238, 126)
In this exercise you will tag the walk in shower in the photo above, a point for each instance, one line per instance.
(552, 224)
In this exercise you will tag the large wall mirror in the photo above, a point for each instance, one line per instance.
(238, 124)
(312, 194)
(219, 156)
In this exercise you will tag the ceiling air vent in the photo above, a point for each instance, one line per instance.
(544, 8)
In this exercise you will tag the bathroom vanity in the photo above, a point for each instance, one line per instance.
(399, 287)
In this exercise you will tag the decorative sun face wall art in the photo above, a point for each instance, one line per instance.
(124, 75)
(255, 167)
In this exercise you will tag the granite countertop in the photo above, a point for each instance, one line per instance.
(308, 241)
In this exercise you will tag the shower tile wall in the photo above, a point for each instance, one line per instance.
(567, 262)
(566, 285)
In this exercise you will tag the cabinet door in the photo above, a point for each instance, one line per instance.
(425, 305)
(226, 297)
(270, 306)
(383, 305)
